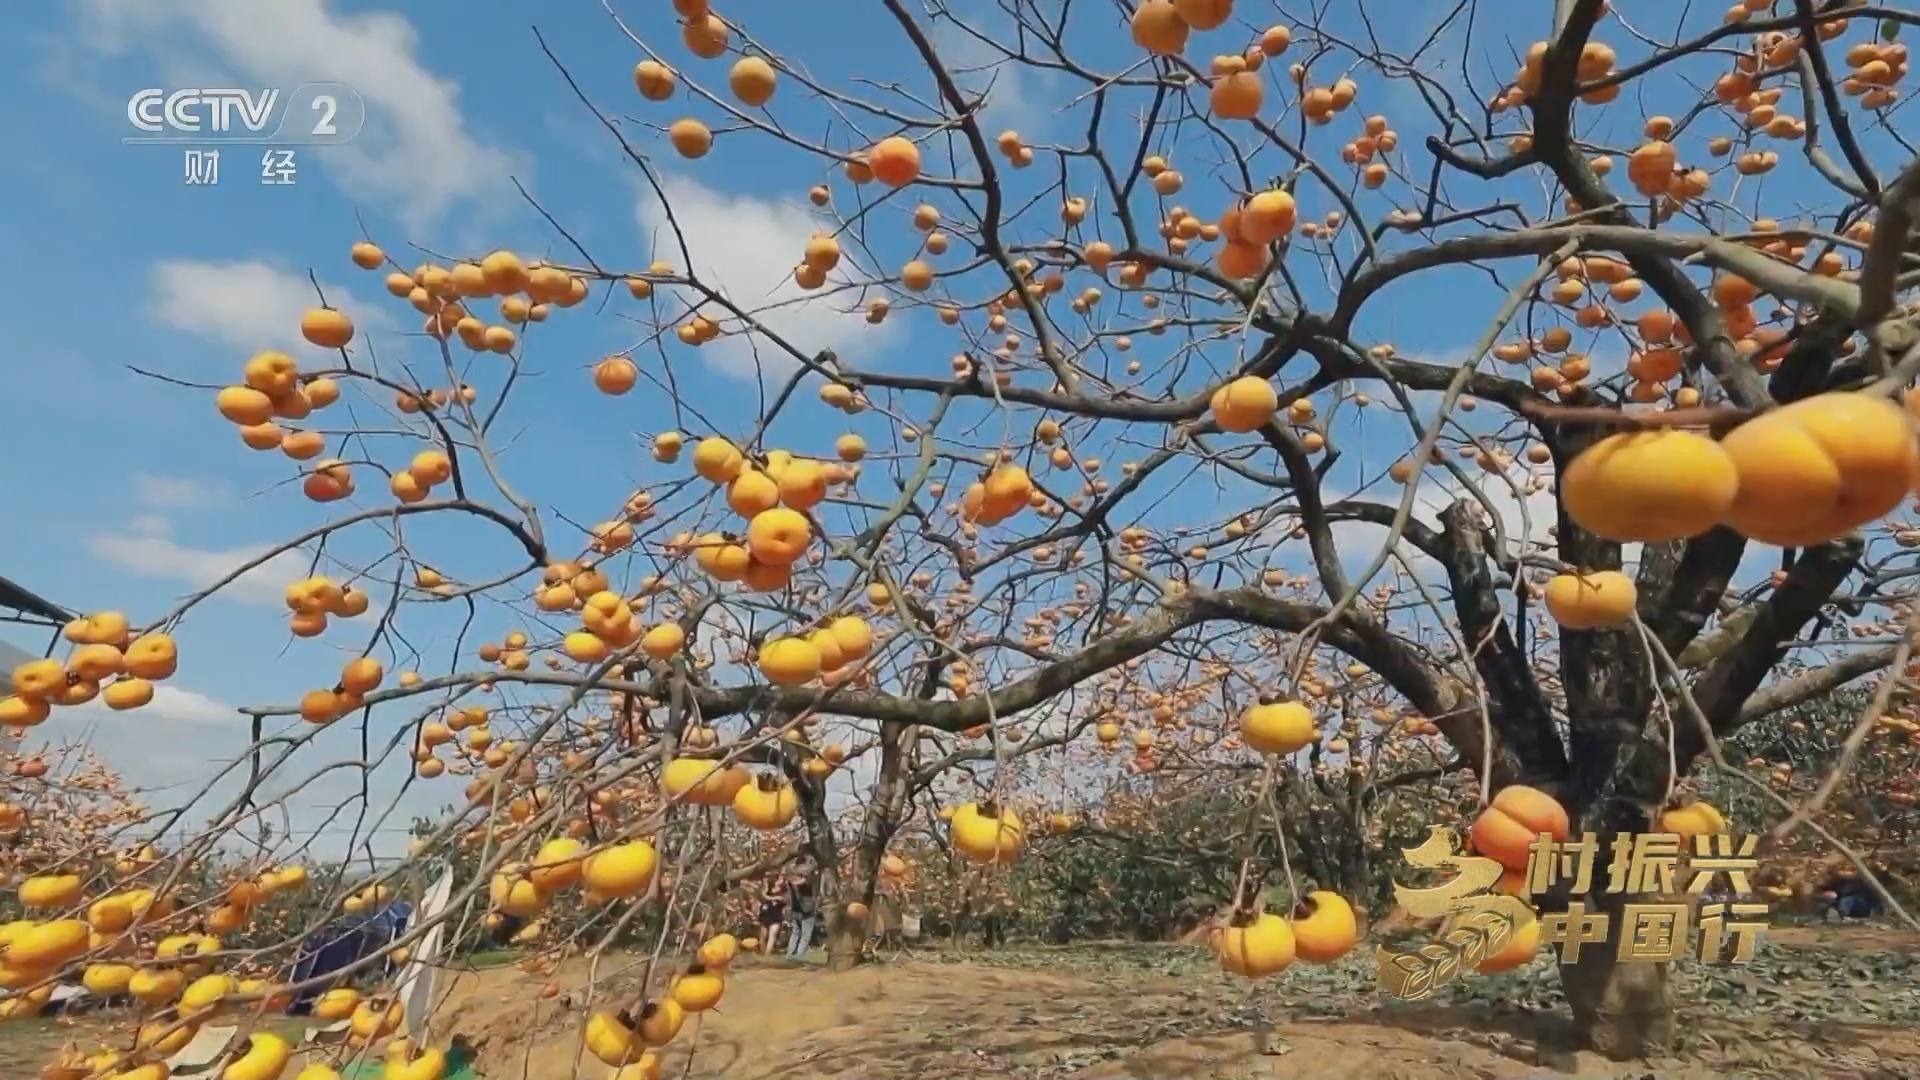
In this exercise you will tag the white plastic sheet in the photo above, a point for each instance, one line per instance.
(416, 979)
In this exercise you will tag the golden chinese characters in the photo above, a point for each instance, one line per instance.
(1654, 921)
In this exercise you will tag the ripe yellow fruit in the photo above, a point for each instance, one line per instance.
(1005, 492)
(503, 272)
(107, 979)
(1244, 404)
(1507, 828)
(701, 781)
(752, 492)
(50, 890)
(266, 1058)
(789, 661)
(661, 642)
(557, 865)
(690, 138)
(1262, 947)
(611, 1039)
(272, 373)
(326, 328)
(779, 536)
(987, 832)
(766, 804)
(621, 870)
(752, 81)
(802, 484)
(584, 647)
(704, 35)
(653, 79)
(895, 161)
(1281, 728)
(18, 710)
(1267, 217)
(403, 1062)
(717, 460)
(1820, 467)
(852, 635)
(1650, 486)
(244, 405)
(718, 951)
(1158, 28)
(615, 375)
(1327, 930)
(1236, 96)
(1693, 819)
(207, 990)
(659, 1021)
(513, 894)
(1590, 601)
(48, 944)
(698, 990)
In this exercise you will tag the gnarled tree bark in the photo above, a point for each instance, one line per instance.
(1623, 1009)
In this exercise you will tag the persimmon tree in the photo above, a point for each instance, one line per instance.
(59, 803)
(1869, 796)
(1126, 481)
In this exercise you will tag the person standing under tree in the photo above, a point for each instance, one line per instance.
(803, 913)
(886, 922)
(1848, 896)
(773, 912)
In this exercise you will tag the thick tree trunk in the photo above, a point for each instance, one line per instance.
(1325, 823)
(847, 936)
(822, 848)
(993, 930)
(1621, 755)
(1622, 1010)
(846, 939)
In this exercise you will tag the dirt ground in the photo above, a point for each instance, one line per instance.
(1123, 1011)
(27, 1045)
(926, 1019)
(1149, 1012)
(1862, 938)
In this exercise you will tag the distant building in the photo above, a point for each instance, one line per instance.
(12, 657)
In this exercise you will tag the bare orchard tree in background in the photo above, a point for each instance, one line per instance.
(1123, 524)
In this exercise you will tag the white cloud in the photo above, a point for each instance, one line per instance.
(166, 752)
(1524, 518)
(415, 152)
(173, 493)
(1527, 531)
(745, 248)
(1527, 518)
(172, 743)
(1013, 89)
(149, 525)
(170, 704)
(155, 553)
(248, 304)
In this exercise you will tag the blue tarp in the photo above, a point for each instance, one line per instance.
(344, 941)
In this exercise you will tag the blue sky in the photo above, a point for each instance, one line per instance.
(129, 493)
